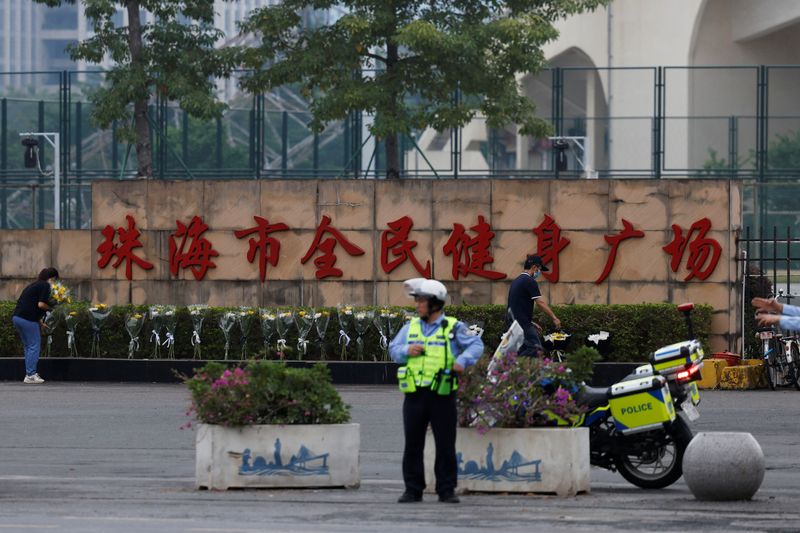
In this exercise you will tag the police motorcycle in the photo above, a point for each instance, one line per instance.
(634, 425)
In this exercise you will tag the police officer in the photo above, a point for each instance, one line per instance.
(523, 294)
(431, 349)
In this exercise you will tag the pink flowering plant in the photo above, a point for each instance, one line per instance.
(264, 392)
(522, 392)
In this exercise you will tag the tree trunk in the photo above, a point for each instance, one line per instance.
(392, 151)
(392, 157)
(144, 147)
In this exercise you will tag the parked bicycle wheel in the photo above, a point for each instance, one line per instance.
(794, 365)
(771, 349)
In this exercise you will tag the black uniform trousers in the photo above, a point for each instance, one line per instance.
(420, 408)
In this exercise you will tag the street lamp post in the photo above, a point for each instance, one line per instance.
(54, 139)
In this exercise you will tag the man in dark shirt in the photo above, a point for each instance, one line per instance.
(33, 304)
(522, 296)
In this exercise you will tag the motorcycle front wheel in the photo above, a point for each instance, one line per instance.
(657, 460)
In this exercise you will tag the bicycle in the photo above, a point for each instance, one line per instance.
(781, 355)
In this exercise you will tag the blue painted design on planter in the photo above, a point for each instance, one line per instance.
(303, 463)
(515, 468)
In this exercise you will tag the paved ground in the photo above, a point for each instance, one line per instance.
(102, 457)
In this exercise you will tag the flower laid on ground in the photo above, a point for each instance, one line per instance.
(362, 321)
(98, 314)
(71, 319)
(226, 323)
(197, 312)
(265, 392)
(60, 293)
(247, 317)
(268, 317)
(321, 321)
(304, 321)
(283, 323)
(50, 323)
(134, 322)
(156, 315)
(345, 314)
(170, 321)
(520, 392)
(388, 322)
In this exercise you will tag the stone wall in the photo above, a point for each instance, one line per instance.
(585, 210)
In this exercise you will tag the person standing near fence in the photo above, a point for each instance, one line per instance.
(32, 305)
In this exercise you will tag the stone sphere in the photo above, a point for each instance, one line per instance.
(719, 466)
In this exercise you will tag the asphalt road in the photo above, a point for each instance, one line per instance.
(111, 457)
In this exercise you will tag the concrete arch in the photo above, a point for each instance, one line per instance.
(584, 108)
(740, 33)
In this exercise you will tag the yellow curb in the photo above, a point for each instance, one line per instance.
(742, 378)
(752, 362)
(711, 373)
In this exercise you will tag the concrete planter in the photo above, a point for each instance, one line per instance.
(539, 460)
(267, 456)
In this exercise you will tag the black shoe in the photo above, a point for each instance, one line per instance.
(409, 497)
(449, 497)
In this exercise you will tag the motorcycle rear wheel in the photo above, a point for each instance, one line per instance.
(661, 466)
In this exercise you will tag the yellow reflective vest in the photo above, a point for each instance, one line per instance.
(433, 369)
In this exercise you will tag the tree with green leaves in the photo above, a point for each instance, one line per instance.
(173, 56)
(411, 64)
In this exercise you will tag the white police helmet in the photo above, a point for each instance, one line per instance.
(427, 288)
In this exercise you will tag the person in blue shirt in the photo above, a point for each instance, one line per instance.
(523, 294)
(432, 350)
(788, 317)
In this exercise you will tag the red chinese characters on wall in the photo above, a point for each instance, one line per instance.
(549, 244)
(326, 262)
(471, 253)
(615, 240)
(470, 250)
(396, 244)
(268, 248)
(704, 252)
(124, 250)
(197, 255)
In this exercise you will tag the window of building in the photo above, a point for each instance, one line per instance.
(61, 18)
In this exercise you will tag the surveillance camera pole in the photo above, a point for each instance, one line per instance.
(54, 139)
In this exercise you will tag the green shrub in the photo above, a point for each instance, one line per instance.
(636, 331)
(265, 392)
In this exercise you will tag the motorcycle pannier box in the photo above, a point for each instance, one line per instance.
(673, 358)
(641, 404)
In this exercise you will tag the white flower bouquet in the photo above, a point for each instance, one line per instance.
(321, 321)
(304, 321)
(345, 315)
(98, 314)
(197, 312)
(283, 323)
(268, 318)
(226, 323)
(156, 316)
(362, 319)
(71, 319)
(247, 317)
(134, 322)
(170, 321)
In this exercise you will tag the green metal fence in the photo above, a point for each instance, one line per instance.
(651, 122)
